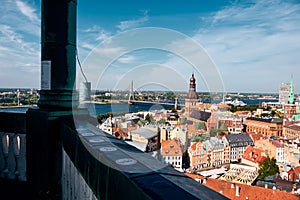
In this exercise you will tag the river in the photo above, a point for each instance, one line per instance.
(96, 109)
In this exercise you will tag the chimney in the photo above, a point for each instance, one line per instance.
(237, 191)
(232, 185)
(204, 181)
(266, 186)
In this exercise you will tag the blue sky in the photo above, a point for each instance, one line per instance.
(253, 46)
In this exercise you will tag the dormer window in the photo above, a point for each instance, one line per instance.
(171, 145)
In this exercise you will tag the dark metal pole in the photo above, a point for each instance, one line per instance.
(58, 35)
(57, 98)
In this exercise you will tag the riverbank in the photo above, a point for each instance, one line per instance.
(105, 102)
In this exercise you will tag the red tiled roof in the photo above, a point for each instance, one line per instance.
(294, 126)
(195, 144)
(253, 155)
(295, 170)
(205, 105)
(256, 136)
(171, 148)
(246, 191)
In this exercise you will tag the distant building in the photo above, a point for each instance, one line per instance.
(197, 155)
(85, 91)
(291, 131)
(191, 101)
(180, 134)
(289, 111)
(265, 126)
(146, 135)
(284, 90)
(238, 144)
(199, 115)
(294, 174)
(171, 152)
(218, 152)
(271, 148)
(210, 153)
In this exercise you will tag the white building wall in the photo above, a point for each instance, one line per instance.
(175, 161)
(280, 154)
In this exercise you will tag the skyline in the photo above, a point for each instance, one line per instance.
(253, 44)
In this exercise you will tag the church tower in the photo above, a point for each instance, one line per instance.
(290, 108)
(191, 102)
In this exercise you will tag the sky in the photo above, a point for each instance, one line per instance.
(231, 46)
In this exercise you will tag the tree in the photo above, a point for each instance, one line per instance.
(201, 126)
(267, 168)
(161, 121)
(149, 118)
(199, 138)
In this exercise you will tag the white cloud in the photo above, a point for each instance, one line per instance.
(27, 10)
(129, 24)
(97, 33)
(255, 46)
(20, 45)
(127, 59)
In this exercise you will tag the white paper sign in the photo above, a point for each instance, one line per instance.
(46, 75)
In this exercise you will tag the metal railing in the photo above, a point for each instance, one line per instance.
(13, 146)
(95, 165)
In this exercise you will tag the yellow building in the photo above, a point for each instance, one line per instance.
(291, 131)
(265, 126)
(272, 148)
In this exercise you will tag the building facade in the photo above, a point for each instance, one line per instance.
(238, 144)
(210, 153)
(291, 131)
(284, 90)
(197, 155)
(265, 126)
(272, 148)
(289, 111)
(171, 152)
(216, 151)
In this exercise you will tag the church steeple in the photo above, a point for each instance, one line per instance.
(291, 99)
(191, 101)
(192, 94)
(193, 83)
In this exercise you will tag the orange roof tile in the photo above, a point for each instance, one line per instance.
(252, 192)
(204, 105)
(171, 148)
(253, 155)
(195, 144)
(246, 191)
(295, 170)
(255, 136)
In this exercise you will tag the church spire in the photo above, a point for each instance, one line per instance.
(193, 83)
(291, 99)
(192, 94)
